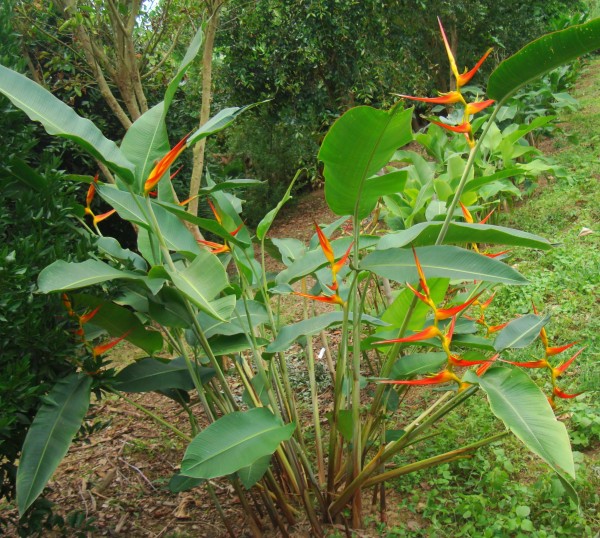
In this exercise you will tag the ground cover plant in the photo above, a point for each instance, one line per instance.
(222, 329)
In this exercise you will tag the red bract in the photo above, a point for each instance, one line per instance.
(557, 392)
(559, 370)
(477, 106)
(449, 98)
(325, 245)
(332, 299)
(425, 334)
(445, 376)
(163, 165)
(218, 248)
(551, 351)
(103, 348)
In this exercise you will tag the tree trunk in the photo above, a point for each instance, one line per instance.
(207, 55)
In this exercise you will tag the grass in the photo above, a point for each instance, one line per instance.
(503, 490)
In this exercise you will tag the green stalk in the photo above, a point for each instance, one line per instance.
(435, 460)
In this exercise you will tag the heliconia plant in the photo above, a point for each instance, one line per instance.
(207, 300)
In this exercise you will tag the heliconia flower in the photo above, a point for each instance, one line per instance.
(487, 302)
(447, 313)
(449, 98)
(91, 192)
(457, 361)
(103, 216)
(461, 79)
(484, 367)
(218, 248)
(188, 200)
(557, 392)
(332, 299)
(214, 210)
(430, 332)
(466, 213)
(445, 376)
(83, 319)
(542, 363)
(560, 370)
(495, 254)
(464, 127)
(325, 245)
(422, 280)
(103, 348)
(68, 304)
(477, 106)
(495, 328)
(164, 164)
(551, 351)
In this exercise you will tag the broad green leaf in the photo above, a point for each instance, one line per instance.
(517, 401)
(290, 333)
(541, 56)
(150, 374)
(473, 341)
(228, 345)
(145, 142)
(253, 473)
(219, 122)
(169, 309)
(426, 233)
(233, 442)
(50, 435)
(475, 184)
(179, 483)
(520, 332)
(230, 184)
(418, 363)
(443, 261)
(358, 146)
(202, 281)
(397, 311)
(290, 249)
(267, 220)
(239, 320)
(62, 275)
(133, 209)
(111, 246)
(209, 225)
(117, 320)
(20, 170)
(61, 120)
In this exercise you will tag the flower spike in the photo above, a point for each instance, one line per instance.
(444, 376)
(449, 98)
(332, 299)
(430, 332)
(163, 165)
(325, 245)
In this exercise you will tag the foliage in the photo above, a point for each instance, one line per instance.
(214, 305)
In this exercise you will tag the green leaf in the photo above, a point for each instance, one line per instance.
(179, 483)
(111, 246)
(290, 333)
(358, 146)
(520, 332)
(128, 206)
(60, 120)
(230, 184)
(145, 142)
(233, 442)
(418, 363)
(253, 473)
(426, 233)
(267, 220)
(219, 122)
(202, 281)
(517, 401)
(50, 435)
(443, 261)
(20, 170)
(150, 374)
(239, 320)
(117, 320)
(62, 275)
(541, 56)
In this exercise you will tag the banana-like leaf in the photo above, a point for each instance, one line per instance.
(202, 281)
(253, 473)
(219, 122)
(358, 145)
(61, 120)
(443, 261)
(152, 374)
(426, 233)
(233, 442)
(118, 320)
(418, 363)
(267, 220)
(542, 55)
(62, 276)
(290, 333)
(179, 483)
(50, 435)
(518, 402)
(520, 332)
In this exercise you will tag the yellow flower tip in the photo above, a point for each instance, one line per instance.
(466, 213)
(477, 106)
(325, 244)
